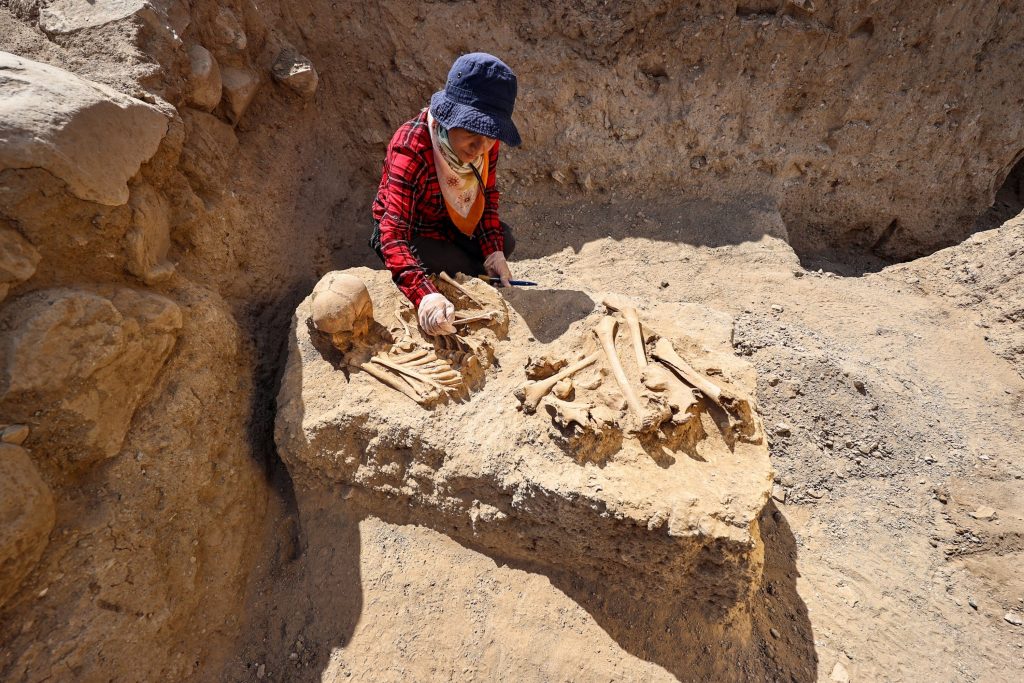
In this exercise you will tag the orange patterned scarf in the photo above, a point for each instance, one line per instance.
(460, 186)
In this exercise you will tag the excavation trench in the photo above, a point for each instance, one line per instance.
(686, 156)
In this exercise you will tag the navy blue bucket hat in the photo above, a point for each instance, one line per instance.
(479, 96)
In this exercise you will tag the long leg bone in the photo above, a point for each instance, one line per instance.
(633, 323)
(445, 277)
(605, 332)
(532, 392)
(666, 353)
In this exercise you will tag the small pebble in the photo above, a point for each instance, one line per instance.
(1013, 618)
(983, 512)
(15, 434)
(293, 656)
(261, 671)
(776, 308)
(972, 603)
(664, 284)
(775, 633)
(783, 429)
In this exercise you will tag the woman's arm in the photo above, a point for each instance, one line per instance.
(405, 185)
(491, 237)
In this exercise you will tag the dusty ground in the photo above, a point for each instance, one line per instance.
(892, 393)
(893, 418)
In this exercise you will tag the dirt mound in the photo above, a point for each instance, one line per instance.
(576, 483)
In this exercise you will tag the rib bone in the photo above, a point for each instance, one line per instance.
(393, 381)
(605, 332)
(666, 353)
(532, 392)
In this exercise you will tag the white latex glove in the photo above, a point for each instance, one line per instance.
(436, 314)
(496, 266)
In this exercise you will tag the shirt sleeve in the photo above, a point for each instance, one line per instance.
(491, 237)
(405, 184)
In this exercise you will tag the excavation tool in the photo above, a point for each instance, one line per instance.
(605, 332)
(532, 392)
(496, 281)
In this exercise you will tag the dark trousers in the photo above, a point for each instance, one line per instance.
(461, 256)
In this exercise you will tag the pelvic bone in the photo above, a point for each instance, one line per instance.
(532, 392)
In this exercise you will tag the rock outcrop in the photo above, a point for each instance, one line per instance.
(677, 514)
(88, 135)
(27, 515)
(77, 363)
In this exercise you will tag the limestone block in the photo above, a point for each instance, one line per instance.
(296, 72)
(88, 135)
(18, 260)
(67, 16)
(240, 86)
(204, 79)
(76, 365)
(149, 239)
(27, 516)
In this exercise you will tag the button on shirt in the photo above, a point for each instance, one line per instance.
(409, 204)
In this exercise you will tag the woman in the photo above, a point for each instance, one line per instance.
(437, 204)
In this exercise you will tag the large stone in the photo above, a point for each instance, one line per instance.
(18, 260)
(296, 72)
(88, 135)
(27, 515)
(204, 80)
(68, 16)
(240, 86)
(149, 239)
(76, 365)
(682, 517)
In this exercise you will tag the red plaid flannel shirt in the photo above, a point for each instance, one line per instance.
(409, 203)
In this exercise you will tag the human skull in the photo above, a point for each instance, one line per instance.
(342, 308)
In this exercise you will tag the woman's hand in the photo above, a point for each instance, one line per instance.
(436, 314)
(496, 266)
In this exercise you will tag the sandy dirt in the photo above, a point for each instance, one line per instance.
(883, 449)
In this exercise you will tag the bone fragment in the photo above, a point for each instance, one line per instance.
(605, 332)
(459, 288)
(563, 389)
(603, 415)
(658, 378)
(532, 392)
(666, 353)
(393, 381)
(565, 413)
(628, 312)
(486, 315)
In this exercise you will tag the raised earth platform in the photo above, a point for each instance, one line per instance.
(532, 449)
